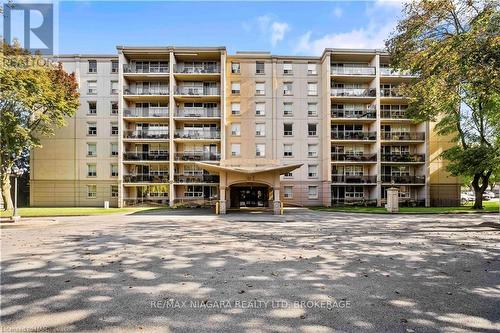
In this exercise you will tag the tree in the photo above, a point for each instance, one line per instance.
(36, 97)
(454, 48)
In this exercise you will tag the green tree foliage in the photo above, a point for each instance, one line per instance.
(35, 98)
(454, 48)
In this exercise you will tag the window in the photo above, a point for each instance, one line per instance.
(235, 109)
(312, 171)
(312, 192)
(287, 109)
(260, 109)
(287, 88)
(91, 87)
(235, 67)
(260, 150)
(91, 149)
(92, 111)
(287, 68)
(114, 66)
(114, 108)
(259, 67)
(260, 88)
(288, 175)
(287, 150)
(235, 88)
(91, 129)
(91, 170)
(312, 109)
(91, 191)
(235, 129)
(235, 149)
(114, 170)
(288, 192)
(312, 150)
(288, 129)
(114, 129)
(260, 129)
(114, 191)
(312, 89)
(312, 129)
(311, 69)
(114, 149)
(114, 87)
(92, 66)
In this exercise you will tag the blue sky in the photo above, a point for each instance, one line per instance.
(302, 28)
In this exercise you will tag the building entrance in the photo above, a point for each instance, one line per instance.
(249, 196)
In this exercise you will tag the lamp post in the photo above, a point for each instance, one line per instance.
(17, 173)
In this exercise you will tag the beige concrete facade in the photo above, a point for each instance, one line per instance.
(337, 119)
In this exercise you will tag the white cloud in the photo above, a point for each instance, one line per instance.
(337, 12)
(278, 30)
(268, 27)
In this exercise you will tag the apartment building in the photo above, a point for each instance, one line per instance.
(196, 126)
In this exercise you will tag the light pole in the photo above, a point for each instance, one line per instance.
(17, 173)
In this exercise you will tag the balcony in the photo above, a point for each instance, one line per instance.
(196, 178)
(197, 135)
(146, 178)
(197, 91)
(353, 92)
(354, 136)
(354, 179)
(402, 179)
(393, 114)
(146, 69)
(403, 136)
(195, 156)
(352, 70)
(202, 69)
(354, 201)
(145, 134)
(403, 158)
(354, 114)
(161, 91)
(158, 199)
(354, 157)
(145, 156)
(384, 92)
(198, 113)
(388, 71)
(152, 112)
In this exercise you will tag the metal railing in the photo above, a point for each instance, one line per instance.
(192, 156)
(145, 91)
(356, 114)
(406, 136)
(354, 157)
(186, 134)
(354, 135)
(401, 158)
(388, 71)
(144, 156)
(183, 178)
(203, 69)
(145, 134)
(197, 91)
(352, 70)
(393, 114)
(402, 179)
(354, 179)
(146, 178)
(134, 68)
(354, 202)
(353, 92)
(146, 201)
(387, 92)
(197, 112)
(146, 112)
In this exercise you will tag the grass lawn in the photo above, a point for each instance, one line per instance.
(70, 211)
(489, 206)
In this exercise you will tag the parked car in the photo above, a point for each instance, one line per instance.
(465, 197)
(491, 194)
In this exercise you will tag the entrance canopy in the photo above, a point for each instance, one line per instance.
(249, 170)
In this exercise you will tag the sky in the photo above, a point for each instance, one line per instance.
(291, 28)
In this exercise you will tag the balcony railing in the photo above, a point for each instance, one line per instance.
(354, 114)
(353, 92)
(388, 71)
(354, 179)
(197, 112)
(197, 91)
(145, 134)
(145, 178)
(133, 68)
(354, 135)
(354, 157)
(192, 156)
(144, 156)
(159, 199)
(352, 70)
(365, 201)
(146, 91)
(181, 178)
(205, 69)
(146, 112)
(401, 158)
(390, 114)
(184, 134)
(403, 179)
(403, 136)
(390, 93)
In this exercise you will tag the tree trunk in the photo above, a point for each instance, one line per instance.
(6, 197)
(480, 188)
